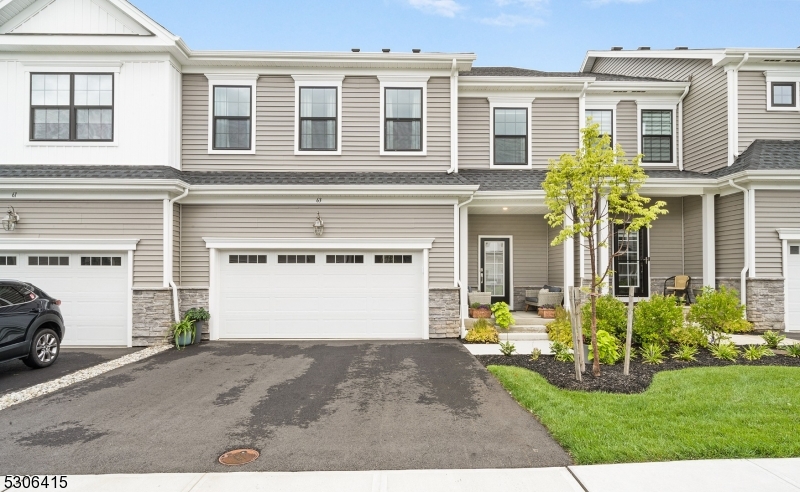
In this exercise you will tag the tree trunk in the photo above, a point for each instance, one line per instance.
(596, 355)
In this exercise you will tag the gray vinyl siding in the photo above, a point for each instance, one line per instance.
(275, 130)
(755, 122)
(473, 133)
(666, 240)
(554, 129)
(774, 209)
(705, 108)
(729, 235)
(555, 259)
(142, 220)
(627, 127)
(341, 221)
(693, 237)
(176, 242)
(529, 248)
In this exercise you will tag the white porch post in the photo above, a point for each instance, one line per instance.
(569, 262)
(167, 241)
(463, 243)
(709, 246)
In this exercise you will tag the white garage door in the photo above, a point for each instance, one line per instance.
(92, 287)
(793, 280)
(313, 294)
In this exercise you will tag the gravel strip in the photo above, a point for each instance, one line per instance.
(77, 376)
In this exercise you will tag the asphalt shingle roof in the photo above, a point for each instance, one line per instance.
(765, 155)
(531, 179)
(524, 72)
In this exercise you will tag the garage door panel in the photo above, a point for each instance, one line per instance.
(793, 288)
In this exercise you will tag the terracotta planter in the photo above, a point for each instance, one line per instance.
(480, 313)
(547, 313)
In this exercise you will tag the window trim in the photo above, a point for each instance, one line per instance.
(640, 131)
(320, 81)
(228, 80)
(511, 103)
(613, 109)
(72, 107)
(404, 82)
(771, 95)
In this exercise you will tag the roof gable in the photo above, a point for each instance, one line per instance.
(90, 17)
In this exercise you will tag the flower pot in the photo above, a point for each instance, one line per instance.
(198, 329)
(547, 313)
(480, 313)
(184, 339)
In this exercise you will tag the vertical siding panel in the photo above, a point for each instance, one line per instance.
(774, 209)
(755, 122)
(693, 237)
(554, 128)
(729, 235)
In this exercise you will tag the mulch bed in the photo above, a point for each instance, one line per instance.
(611, 380)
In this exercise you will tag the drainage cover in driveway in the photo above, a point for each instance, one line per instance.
(239, 457)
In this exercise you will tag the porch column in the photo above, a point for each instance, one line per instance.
(569, 262)
(709, 246)
(463, 258)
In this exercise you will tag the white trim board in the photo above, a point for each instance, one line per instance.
(317, 244)
(65, 244)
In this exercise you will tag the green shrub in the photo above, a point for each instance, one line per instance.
(560, 330)
(561, 352)
(685, 353)
(724, 351)
(773, 339)
(535, 354)
(689, 334)
(652, 353)
(718, 312)
(756, 352)
(792, 350)
(502, 315)
(612, 317)
(197, 314)
(482, 332)
(507, 348)
(654, 319)
(608, 348)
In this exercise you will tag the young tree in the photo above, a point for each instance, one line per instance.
(597, 189)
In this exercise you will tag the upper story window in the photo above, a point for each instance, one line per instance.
(77, 107)
(510, 136)
(783, 94)
(604, 118)
(318, 114)
(403, 120)
(232, 117)
(657, 135)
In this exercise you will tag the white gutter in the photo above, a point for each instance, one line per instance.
(168, 264)
(734, 117)
(743, 290)
(457, 252)
(453, 118)
(680, 128)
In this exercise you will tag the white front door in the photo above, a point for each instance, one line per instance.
(92, 287)
(320, 294)
(793, 290)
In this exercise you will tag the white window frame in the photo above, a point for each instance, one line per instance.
(605, 107)
(404, 82)
(662, 107)
(510, 103)
(318, 81)
(783, 77)
(250, 80)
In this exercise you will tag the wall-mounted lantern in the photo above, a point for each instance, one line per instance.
(10, 220)
(319, 226)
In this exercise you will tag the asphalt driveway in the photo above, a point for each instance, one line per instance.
(303, 405)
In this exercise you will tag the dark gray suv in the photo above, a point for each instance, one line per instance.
(31, 325)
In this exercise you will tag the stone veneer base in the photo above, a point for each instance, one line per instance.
(152, 316)
(444, 314)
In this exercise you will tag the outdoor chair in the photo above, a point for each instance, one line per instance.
(680, 284)
(536, 298)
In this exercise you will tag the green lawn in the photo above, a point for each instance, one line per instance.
(699, 413)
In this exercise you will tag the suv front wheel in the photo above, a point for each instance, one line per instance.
(44, 349)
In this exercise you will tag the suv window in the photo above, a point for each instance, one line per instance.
(10, 295)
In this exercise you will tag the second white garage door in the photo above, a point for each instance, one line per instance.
(318, 294)
(793, 289)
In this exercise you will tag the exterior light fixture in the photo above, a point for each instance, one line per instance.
(10, 220)
(505, 208)
(319, 226)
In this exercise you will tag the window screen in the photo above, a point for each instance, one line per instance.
(72, 106)
(317, 118)
(784, 94)
(403, 125)
(657, 135)
(232, 117)
(603, 117)
(510, 136)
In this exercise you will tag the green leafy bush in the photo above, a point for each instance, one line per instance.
(482, 332)
(652, 353)
(718, 312)
(535, 354)
(792, 350)
(507, 348)
(654, 319)
(608, 348)
(685, 353)
(756, 352)
(612, 317)
(197, 314)
(773, 339)
(689, 334)
(502, 315)
(561, 352)
(724, 351)
(560, 330)
(182, 328)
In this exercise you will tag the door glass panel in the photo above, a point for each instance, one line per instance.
(628, 266)
(494, 261)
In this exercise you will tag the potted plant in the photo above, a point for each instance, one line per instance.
(478, 310)
(547, 311)
(199, 316)
(182, 332)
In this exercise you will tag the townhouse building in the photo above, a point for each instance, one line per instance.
(362, 195)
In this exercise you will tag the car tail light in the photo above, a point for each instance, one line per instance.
(57, 302)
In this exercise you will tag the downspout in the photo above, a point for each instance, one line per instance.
(734, 152)
(680, 128)
(458, 274)
(171, 279)
(453, 118)
(743, 290)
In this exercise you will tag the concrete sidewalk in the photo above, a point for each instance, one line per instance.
(774, 475)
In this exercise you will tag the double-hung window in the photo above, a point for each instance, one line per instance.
(403, 120)
(783, 94)
(604, 118)
(657, 135)
(72, 107)
(232, 117)
(510, 136)
(318, 113)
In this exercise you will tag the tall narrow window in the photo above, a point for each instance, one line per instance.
(232, 117)
(76, 107)
(510, 136)
(318, 118)
(657, 135)
(403, 125)
(784, 94)
(604, 118)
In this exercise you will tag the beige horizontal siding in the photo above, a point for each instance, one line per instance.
(473, 133)
(705, 108)
(628, 128)
(105, 219)
(176, 242)
(729, 235)
(275, 130)
(693, 236)
(755, 122)
(774, 209)
(555, 258)
(666, 240)
(341, 221)
(554, 128)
